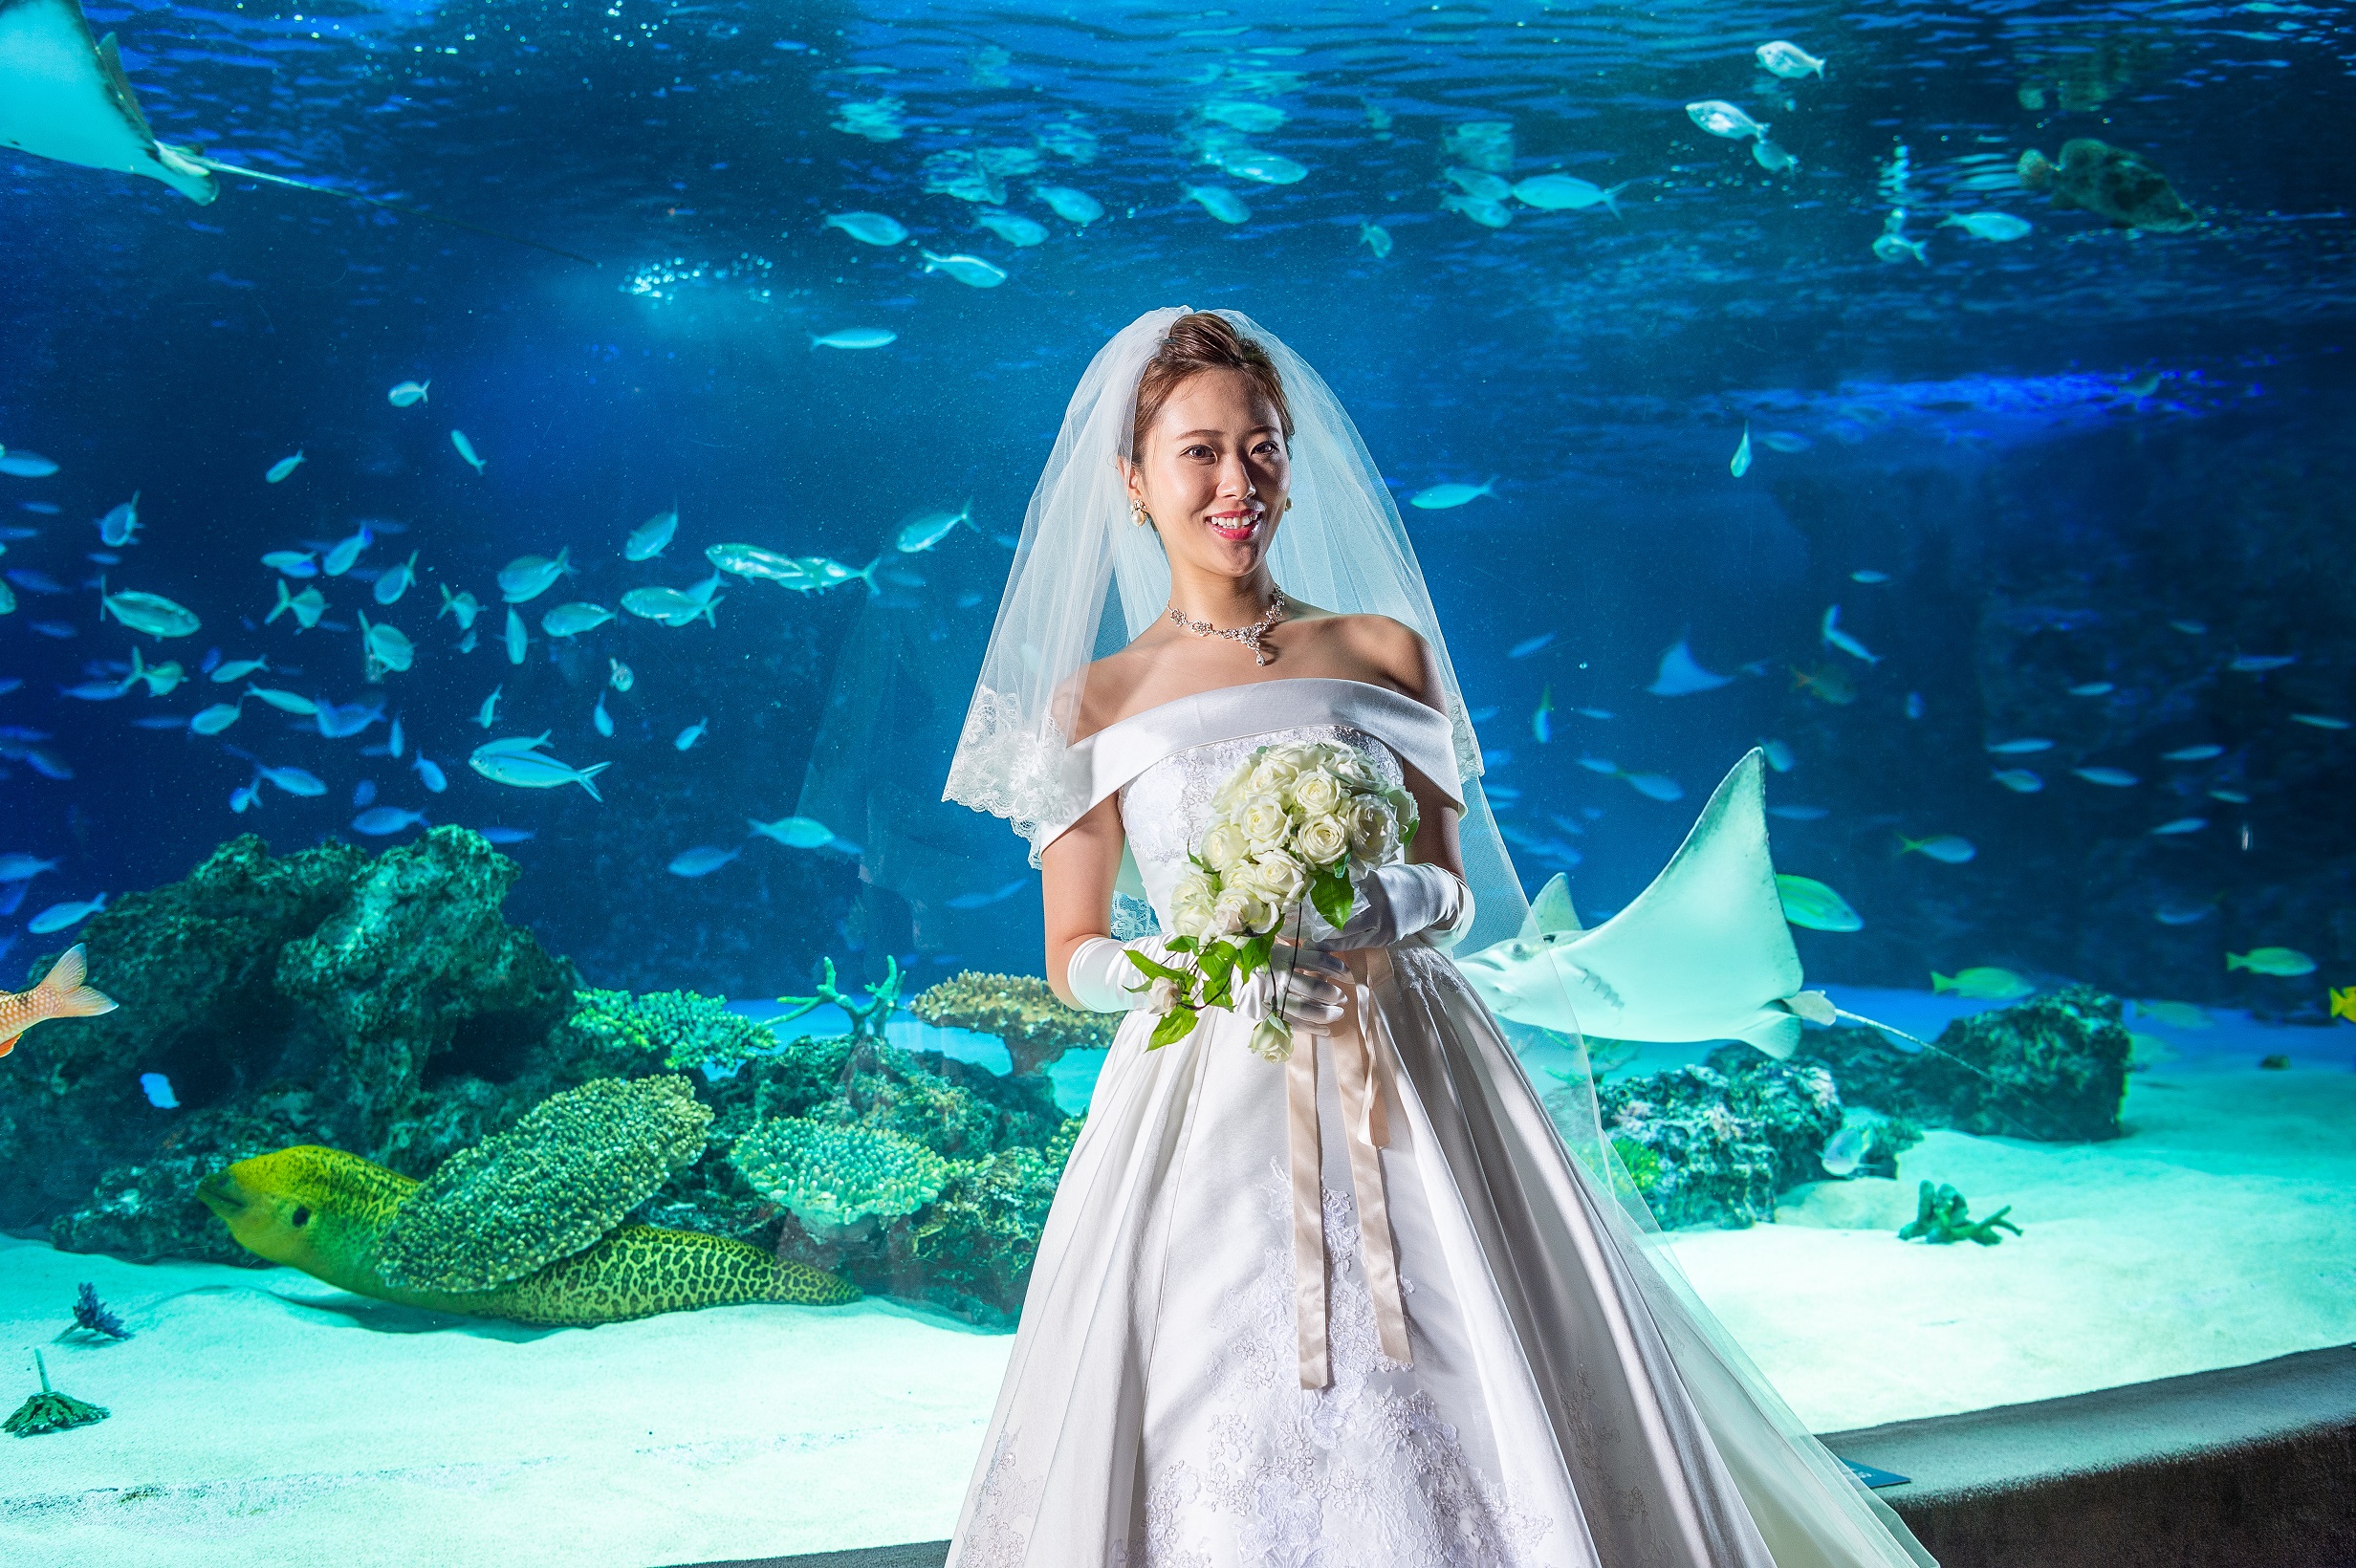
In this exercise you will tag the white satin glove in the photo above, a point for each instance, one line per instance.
(1396, 902)
(1101, 979)
(1311, 982)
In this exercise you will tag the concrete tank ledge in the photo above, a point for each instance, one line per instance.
(2246, 1466)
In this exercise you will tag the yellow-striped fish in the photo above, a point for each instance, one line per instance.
(60, 994)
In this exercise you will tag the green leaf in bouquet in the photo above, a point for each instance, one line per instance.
(1332, 896)
(1159, 971)
(1406, 833)
(1176, 1025)
(1253, 956)
(1200, 864)
(1181, 944)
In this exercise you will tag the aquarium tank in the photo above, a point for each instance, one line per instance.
(501, 504)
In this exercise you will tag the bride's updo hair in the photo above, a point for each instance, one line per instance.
(1197, 343)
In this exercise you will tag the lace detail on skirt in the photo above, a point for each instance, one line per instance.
(1364, 1470)
(1000, 1533)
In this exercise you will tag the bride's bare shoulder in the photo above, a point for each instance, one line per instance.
(1102, 692)
(1383, 651)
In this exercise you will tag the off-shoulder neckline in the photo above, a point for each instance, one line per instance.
(1092, 736)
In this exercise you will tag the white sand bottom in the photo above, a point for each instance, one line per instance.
(267, 1418)
(2219, 1232)
(262, 1417)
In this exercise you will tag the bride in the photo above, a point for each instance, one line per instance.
(1366, 1304)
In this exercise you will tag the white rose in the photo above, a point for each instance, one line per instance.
(1193, 886)
(1165, 994)
(1238, 785)
(1322, 841)
(1276, 876)
(1224, 845)
(1240, 910)
(1194, 919)
(1317, 792)
(1273, 1040)
(1370, 821)
(1272, 773)
(1264, 821)
(1349, 766)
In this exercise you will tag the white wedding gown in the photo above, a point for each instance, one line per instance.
(1559, 1406)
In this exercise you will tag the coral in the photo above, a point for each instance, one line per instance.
(1714, 1144)
(50, 1411)
(417, 952)
(833, 1174)
(1942, 1217)
(867, 1017)
(1644, 1166)
(1020, 1009)
(2053, 1069)
(92, 1317)
(547, 1187)
(690, 1031)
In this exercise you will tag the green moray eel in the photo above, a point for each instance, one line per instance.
(322, 1210)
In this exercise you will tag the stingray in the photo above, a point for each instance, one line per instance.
(63, 96)
(1702, 954)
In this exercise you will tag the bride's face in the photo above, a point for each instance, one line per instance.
(1215, 473)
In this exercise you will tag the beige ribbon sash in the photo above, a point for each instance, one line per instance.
(1363, 1053)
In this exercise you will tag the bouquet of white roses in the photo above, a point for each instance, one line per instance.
(1289, 829)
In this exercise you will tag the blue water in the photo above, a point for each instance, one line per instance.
(2033, 442)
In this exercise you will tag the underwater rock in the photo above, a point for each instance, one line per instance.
(546, 1187)
(1716, 1143)
(417, 953)
(1035, 1024)
(2052, 1069)
(330, 1213)
(2113, 183)
(145, 1211)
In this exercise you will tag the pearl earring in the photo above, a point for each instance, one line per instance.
(1138, 516)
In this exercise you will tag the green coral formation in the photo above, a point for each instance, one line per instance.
(50, 1411)
(832, 1175)
(1941, 1215)
(686, 1030)
(545, 1188)
(1020, 1009)
(1644, 1165)
(2052, 1069)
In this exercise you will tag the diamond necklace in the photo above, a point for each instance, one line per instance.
(1248, 636)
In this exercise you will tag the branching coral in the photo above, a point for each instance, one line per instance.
(832, 1175)
(1943, 1216)
(867, 1017)
(690, 1030)
(555, 1183)
(1020, 1009)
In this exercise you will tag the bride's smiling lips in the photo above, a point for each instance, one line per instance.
(1234, 526)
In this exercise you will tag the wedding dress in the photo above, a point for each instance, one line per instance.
(1561, 1406)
